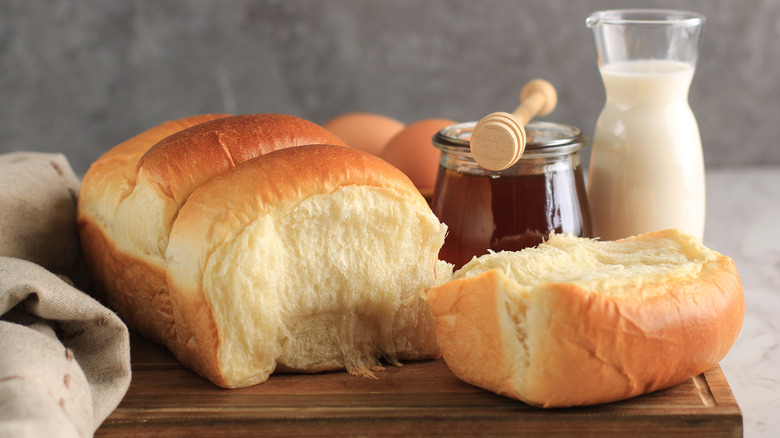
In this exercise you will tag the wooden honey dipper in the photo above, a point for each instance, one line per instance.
(498, 139)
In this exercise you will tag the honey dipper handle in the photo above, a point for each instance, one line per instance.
(537, 98)
(498, 139)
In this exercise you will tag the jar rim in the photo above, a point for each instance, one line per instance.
(543, 139)
(644, 17)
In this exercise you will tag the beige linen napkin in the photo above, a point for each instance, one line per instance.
(64, 358)
(38, 194)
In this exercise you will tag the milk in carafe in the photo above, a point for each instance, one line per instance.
(647, 170)
(646, 167)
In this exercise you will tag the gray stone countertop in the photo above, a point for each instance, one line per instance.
(743, 222)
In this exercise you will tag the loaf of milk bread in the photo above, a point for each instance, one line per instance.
(254, 243)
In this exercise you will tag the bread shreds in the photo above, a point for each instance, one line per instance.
(578, 321)
(243, 244)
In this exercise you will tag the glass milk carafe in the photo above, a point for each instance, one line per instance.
(646, 169)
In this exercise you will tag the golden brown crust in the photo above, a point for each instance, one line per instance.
(183, 162)
(135, 147)
(116, 169)
(620, 348)
(311, 169)
(472, 331)
(197, 340)
(585, 348)
(148, 310)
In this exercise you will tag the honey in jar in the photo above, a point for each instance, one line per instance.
(516, 207)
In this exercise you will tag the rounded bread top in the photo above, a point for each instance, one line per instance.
(291, 174)
(185, 160)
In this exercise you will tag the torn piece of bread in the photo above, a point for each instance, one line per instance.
(577, 321)
(246, 246)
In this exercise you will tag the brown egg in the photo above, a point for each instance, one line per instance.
(365, 131)
(412, 151)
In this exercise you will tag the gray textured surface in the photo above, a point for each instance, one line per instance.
(77, 77)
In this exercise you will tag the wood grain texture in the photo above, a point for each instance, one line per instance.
(420, 399)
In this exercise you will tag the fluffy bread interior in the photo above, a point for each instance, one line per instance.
(285, 290)
(602, 267)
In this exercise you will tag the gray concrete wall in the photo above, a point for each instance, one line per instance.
(80, 76)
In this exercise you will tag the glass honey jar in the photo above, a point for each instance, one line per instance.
(516, 207)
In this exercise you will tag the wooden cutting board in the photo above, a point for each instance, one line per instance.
(418, 399)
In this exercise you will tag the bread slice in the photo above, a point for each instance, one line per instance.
(251, 243)
(577, 321)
